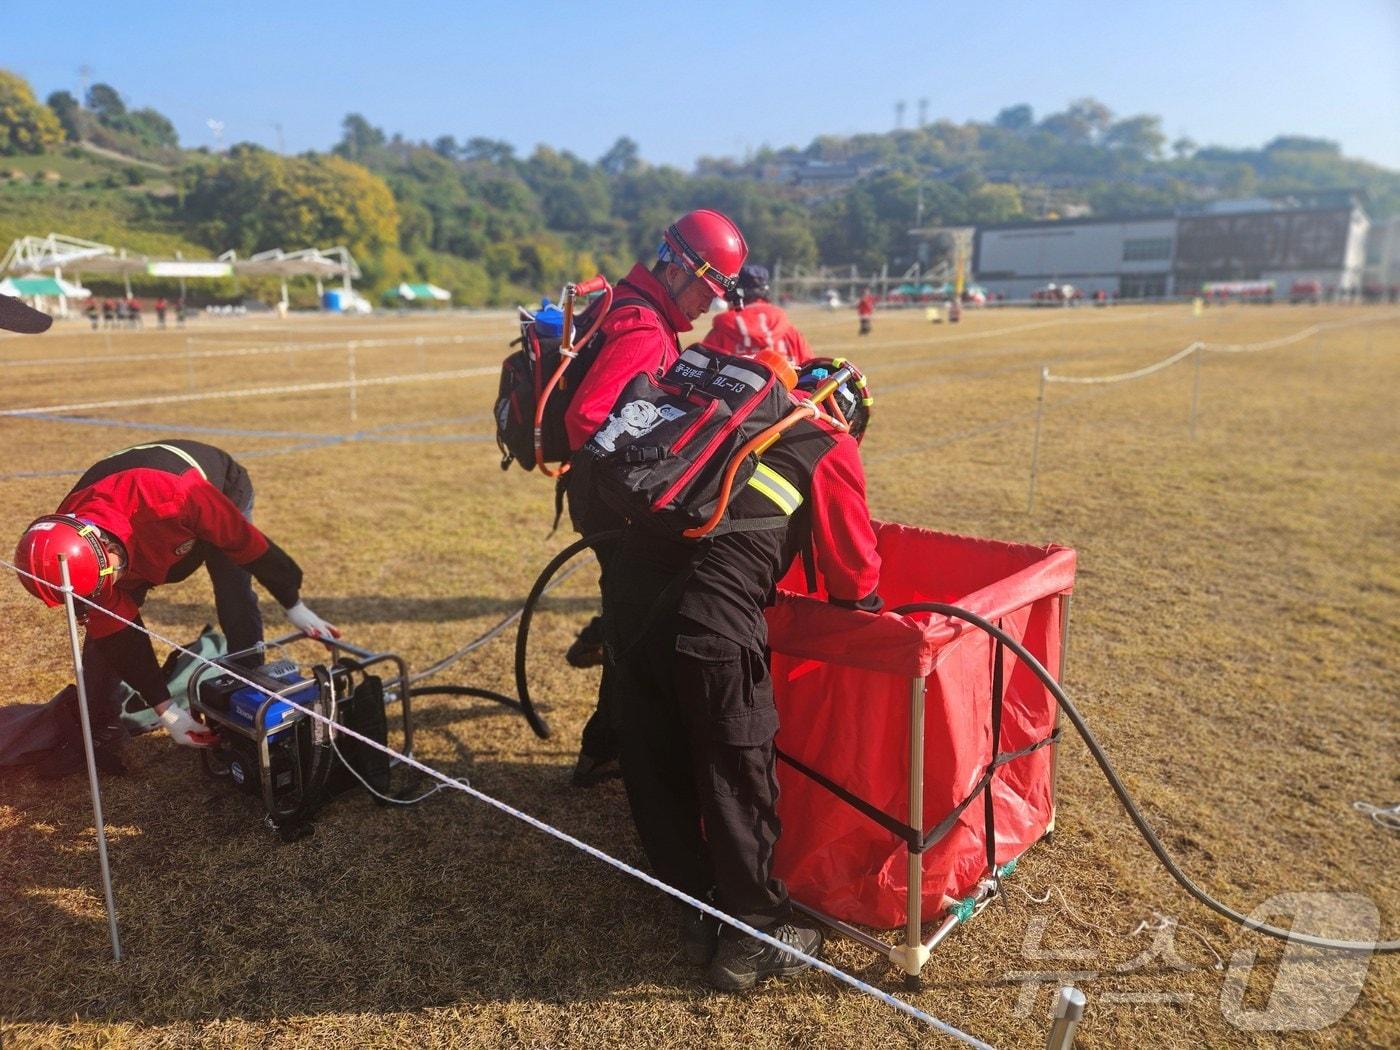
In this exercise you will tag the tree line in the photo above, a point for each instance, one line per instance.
(494, 226)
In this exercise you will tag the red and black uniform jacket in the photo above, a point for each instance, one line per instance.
(637, 339)
(758, 326)
(166, 504)
(734, 576)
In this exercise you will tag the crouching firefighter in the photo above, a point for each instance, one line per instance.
(142, 517)
(711, 529)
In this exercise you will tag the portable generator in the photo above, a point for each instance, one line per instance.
(270, 747)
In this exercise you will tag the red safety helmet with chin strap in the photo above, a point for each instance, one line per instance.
(91, 569)
(708, 245)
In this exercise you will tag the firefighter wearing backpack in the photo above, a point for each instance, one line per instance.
(752, 323)
(697, 261)
(695, 702)
(145, 516)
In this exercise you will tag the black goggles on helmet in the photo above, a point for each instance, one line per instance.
(698, 266)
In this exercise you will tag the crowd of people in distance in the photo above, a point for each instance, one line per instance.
(127, 312)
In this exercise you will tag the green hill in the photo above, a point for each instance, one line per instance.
(496, 228)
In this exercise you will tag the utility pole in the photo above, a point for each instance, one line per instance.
(281, 143)
(84, 75)
(923, 112)
(899, 114)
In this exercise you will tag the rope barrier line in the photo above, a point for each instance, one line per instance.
(245, 351)
(1223, 348)
(1124, 376)
(299, 388)
(563, 836)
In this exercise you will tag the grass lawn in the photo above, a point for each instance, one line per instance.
(1235, 644)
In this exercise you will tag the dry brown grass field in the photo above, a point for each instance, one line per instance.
(1235, 644)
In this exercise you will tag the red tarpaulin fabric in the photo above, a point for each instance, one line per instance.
(842, 680)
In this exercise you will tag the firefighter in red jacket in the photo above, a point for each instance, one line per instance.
(865, 310)
(697, 261)
(142, 517)
(695, 701)
(752, 323)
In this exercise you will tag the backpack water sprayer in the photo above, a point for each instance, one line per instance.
(539, 380)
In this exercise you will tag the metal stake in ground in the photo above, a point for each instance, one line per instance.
(1069, 1008)
(350, 364)
(91, 759)
(1196, 388)
(1035, 444)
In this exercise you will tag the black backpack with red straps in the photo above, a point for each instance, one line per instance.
(523, 377)
(661, 458)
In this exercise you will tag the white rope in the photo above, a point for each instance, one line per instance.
(1268, 344)
(1223, 348)
(244, 351)
(259, 391)
(539, 825)
(1121, 377)
(1387, 817)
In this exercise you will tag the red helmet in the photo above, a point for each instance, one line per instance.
(62, 535)
(708, 245)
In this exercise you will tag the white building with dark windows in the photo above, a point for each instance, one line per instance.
(1313, 237)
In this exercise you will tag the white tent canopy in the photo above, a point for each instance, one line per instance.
(58, 252)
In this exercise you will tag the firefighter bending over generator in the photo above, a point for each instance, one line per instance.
(142, 517)
(694, 699)
(697, 261)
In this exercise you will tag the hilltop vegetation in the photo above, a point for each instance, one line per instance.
(495, 227)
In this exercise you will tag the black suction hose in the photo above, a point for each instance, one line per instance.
(466, 690)
(1128, 804)
(522, 633)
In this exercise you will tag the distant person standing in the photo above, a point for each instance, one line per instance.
(109, 311)
(92, 313)
(865, 310)
(180, 312)
(133, 309)
(753, 323)
(160, 311)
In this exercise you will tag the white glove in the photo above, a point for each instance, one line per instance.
(183, 729)
(309, 624)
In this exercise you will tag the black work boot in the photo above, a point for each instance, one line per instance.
(742, 961)
(587, 650)
(699, 935)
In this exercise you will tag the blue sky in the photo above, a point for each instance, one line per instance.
(689, 79)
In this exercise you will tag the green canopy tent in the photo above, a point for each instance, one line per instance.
(425, 293)
(41, 285)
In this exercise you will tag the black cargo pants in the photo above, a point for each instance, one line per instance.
(696, 722)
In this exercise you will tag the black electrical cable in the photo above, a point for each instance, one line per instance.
(485, 636)
(522, 633)
(466, 690)
(1128, 804)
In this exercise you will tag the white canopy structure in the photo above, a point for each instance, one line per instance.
(58, 252)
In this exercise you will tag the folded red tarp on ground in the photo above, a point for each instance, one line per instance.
(842, 680)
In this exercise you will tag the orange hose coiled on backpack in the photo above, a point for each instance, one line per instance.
(761, 441)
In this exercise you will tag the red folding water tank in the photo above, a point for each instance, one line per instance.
(843, 681)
